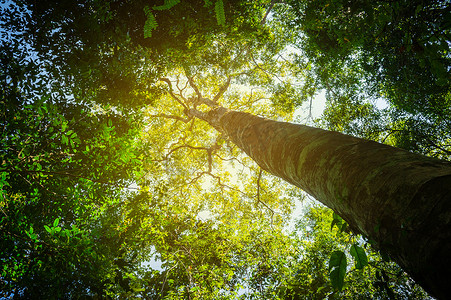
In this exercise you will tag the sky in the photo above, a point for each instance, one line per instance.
(317, 104)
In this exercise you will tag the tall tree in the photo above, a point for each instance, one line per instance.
(399, 199)
(119, 66)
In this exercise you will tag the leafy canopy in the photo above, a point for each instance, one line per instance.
(110, 189)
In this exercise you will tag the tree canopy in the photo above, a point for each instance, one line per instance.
(111, 185)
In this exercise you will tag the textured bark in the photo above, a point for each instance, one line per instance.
(399, 199)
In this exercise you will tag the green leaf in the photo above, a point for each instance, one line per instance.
(65, 140)
(219, 10)
(337, 220)
(334, 222)
(344, 226)
(337, 269)
(48, 229)
(359, 255)
(384, 256)
(168, 4)
(151, 23)
(56, 222)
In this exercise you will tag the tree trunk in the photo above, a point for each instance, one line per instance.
(398, 199)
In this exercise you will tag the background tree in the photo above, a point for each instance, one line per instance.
(87, 197)
(365, 51)
(309, 271)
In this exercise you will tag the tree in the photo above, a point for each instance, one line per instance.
(395, 45)
(65, 176)
(384, 193)
(87, 199)
(106, 68)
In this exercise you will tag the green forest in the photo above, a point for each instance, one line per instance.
(168, 149)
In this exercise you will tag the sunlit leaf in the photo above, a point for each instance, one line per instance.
(337, 269)
(359, 255)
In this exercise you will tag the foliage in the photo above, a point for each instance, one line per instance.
(337, 269)
(389, 125)
(320, 249)
(363, 52)
(151, 22)
(219, 10)
(59, 178)
(110, 188)
(397, 43)
(94, 187)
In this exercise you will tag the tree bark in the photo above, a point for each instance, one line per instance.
(400, 200)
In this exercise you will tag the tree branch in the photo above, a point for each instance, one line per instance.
(171, 92)
(258, 196)
(222, 89)
(184, 120)
(268, 11)
(194, 86)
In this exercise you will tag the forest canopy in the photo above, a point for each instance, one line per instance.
(112, 185)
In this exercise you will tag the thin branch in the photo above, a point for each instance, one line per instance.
(186, 146)
(171, 92)
(269, 75)
(249, 103)
(222, 89)
(258, 196)
(184, 120)
(268, 11)
(390, 133)
(222, 185)
(194, 86)
(181, 89)
(165, 278)
(230, 159)
(258, 184)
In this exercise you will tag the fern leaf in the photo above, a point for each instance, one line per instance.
(167, 5)
(219, 10)
(151, 23)
(146, 10)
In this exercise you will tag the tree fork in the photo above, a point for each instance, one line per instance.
(399, 199)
